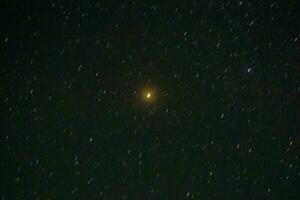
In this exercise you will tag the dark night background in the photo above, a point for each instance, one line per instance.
(223, 123)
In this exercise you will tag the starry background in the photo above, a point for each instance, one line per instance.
(222, 125)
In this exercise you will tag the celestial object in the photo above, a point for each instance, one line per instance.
(148, 95)
(185, 100)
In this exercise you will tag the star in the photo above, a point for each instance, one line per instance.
(148, 95)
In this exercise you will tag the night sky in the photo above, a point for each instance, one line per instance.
(150, 100)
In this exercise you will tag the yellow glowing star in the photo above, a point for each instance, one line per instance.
(148, 95)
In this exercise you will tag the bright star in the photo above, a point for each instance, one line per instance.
(148, 95)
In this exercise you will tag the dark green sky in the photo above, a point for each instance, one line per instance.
(224, 123)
